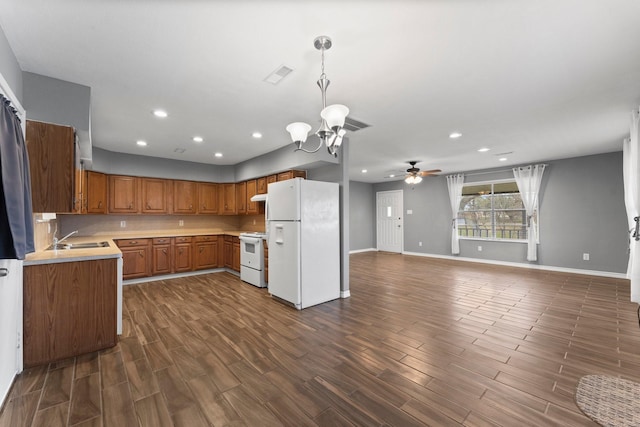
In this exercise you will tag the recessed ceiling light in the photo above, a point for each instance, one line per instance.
(502, 159)
(197, 139)
(218, 154)
(256, 135)
(454, 135)
(179, 150)
(391, 176)
(364, 171)
(160, 113)
(483, 149)
(141, 143)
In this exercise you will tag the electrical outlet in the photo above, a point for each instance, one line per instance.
(419, 243)
(409, 211)
(181, 223)
(479, 248)
(123, 224)
(585, 256)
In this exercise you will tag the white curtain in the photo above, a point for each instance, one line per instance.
(455, 184)
(528, 179)
(630, 163)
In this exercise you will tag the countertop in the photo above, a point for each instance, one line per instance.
(72, 255)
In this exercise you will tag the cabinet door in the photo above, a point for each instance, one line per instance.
(228, 252)
(227, 199)
(123, 194)
(253, 208)
(52, 165)
(270, 179)
(266, 263)
(69, 309)
(182, 261)
(206, 255)
(184, 197)
(95, 193)
(155, 195)
(162, 256)
(136, 259)
(261, 185)
(207, 198)
(241, 198)
(236, 254)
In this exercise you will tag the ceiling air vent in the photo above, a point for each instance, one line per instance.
(353, 125)
(280, 73)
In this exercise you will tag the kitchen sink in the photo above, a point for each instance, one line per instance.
(88, 245)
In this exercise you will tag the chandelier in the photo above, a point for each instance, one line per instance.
(331, 129)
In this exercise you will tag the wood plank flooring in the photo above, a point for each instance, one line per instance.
(420, 342)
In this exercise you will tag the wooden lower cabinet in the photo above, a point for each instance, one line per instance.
(228, 251)
(266, 262)
(162, 256)
(183, 254)
(235, 265)
(136, 258)
(205, 252)
(70, 309)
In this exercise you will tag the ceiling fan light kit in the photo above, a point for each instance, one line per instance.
(414, 176)
(333, 116)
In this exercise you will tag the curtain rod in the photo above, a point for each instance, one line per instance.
(498, 171)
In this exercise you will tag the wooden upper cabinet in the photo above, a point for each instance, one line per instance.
(253, 208)
(227, 199)
(271, 179)
(123, 194)
(185, 197)
(95, 193)
(54, 163)
(261, 185)
(207, 198)
(241, 198)
(283, 176)
(155, 195)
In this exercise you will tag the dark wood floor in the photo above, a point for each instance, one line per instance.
(420, 342)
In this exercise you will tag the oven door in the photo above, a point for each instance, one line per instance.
(251, 254)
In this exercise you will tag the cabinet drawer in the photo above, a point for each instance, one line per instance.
(132, 242)
(184, 239)
(228, 238)
(162, 241)
(206, 238)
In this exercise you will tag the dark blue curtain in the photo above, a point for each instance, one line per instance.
(16, 223)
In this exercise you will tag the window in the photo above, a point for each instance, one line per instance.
(492, 210)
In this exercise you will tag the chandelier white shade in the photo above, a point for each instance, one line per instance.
(333, 116)
(413, 179)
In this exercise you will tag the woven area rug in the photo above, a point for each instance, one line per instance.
(609, 401)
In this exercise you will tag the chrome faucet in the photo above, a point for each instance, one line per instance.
(57, 242)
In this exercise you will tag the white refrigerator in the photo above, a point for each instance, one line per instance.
(304, 241)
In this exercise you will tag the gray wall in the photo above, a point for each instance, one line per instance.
(362, 216)
(56, 101)
(9, 68)
(156, 167)
(282, 159)
(581, 210)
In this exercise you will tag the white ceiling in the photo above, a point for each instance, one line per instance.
(539, 79)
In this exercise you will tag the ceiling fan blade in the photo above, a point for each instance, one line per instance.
(429, 172)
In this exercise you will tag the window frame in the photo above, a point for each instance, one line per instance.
(495, 239)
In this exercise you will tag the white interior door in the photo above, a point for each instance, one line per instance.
(389, 220)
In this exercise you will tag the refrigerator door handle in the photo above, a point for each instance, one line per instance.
(279, 239)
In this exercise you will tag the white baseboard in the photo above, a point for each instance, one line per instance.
(345, 294)
(362, 250)
(177, 275)
(609, 274)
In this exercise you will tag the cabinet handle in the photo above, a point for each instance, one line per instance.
(100, 204)
(204, 206)
(180, 251)
(133, 242)
(4, 272)
(130, 206)
(164, 251)
(190, 206)
(201, 249)
(148, 205)
(141, 253)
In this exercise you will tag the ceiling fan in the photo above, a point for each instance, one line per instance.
(414, 176)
